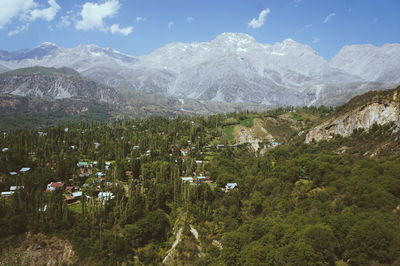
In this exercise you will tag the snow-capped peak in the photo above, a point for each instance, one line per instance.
(235, 38)
(373, 63)
(233, 67)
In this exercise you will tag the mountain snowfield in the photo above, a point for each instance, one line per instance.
(233, 67)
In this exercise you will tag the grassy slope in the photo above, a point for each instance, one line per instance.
(281, 125)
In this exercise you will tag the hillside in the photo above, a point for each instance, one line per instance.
(267, 129)
(38, 249)
(18, 112)
(54, 83)
(361, 112)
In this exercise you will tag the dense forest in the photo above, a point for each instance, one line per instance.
(117, 191)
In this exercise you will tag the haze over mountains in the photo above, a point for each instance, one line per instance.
(233, 67)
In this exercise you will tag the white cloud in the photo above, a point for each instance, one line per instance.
(315, 40)
(140, 19)
(124, 31)
(93, 15)
(259, 22)
(18, 30)
(189, 19)
(170, 24)
(47, 14)
(327, 18)
(308, 25)
(13, 8)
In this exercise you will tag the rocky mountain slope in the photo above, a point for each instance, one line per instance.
(233, 67)
(370, 62)
(361, 112)
(3, 69)
(54, 83)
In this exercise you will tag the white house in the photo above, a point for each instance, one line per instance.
(230, 186)
(105, 195)
(77, 194)
(14, 188)
(7, 193)
(187, 179)
(100, 174)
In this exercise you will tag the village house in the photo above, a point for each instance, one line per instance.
(275, 144)
(230, 186)
(54, 185)
(69, 188)
(187, 179)
(105, 195)
(73, 197)
(69, 198)
(107, 165)
(201, 179)
(83, 164)
(100, 174)
(15, 188)
(7, 193)
(77, 195)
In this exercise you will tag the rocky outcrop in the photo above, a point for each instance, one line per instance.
(382, 109)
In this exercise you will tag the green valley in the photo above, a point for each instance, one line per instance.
(198, 191)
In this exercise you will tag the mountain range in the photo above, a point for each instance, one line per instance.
(54, 83)
(232, 68)
(43, 96)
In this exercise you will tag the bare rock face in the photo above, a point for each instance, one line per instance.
(381, 110)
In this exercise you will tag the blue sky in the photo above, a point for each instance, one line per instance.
(138, 27)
